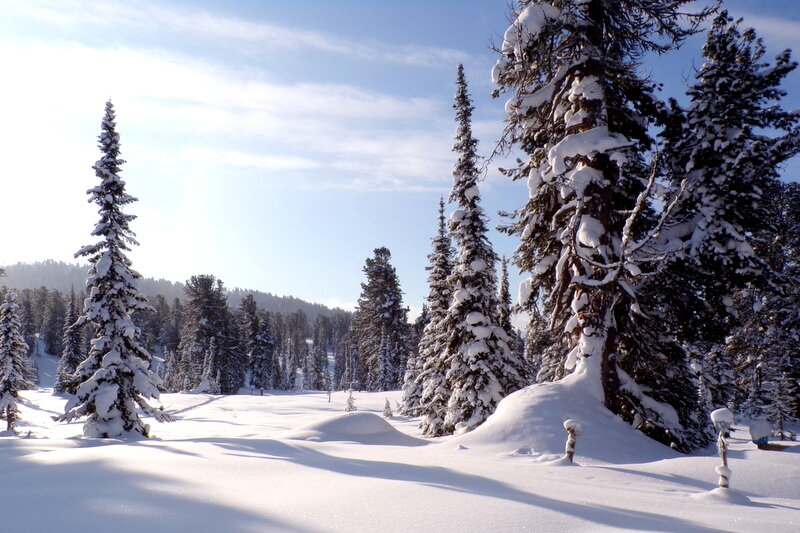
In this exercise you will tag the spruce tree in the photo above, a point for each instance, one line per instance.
(13, 359)
(588, 232)
(257, 343)
(204, 319)
(504, 314)
(115, 377)
(381, 313)
(53, 324)
(427, 394)
(727, 147)
(210, 377)
(481, 370)
(504, 300)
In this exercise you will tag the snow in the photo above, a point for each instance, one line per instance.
(722, 415)
(105, 398)
(360, 427)
(478, 265)
(595, 140)
(291, 461)
(759, 429)
(529, 24)
(476, 317)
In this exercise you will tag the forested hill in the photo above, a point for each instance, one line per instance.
(57, 275)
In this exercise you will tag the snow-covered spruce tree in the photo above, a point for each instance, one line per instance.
(716, 387)
(544, 356)
(588, 237)
(115, 377)
(504, 313)
(319, 359)
(210, 378)
(53, 322)
(71, 353)
(728, 152)
(262, 364)
(411, 389)
(380, 311)
(27, 320)
(481, 370)
(427, 394)
(172, 375)
(504, 300)
(13, 359)
(783, 392)
(350, 404)
(256, 343)
(766, 346)
(204, 320)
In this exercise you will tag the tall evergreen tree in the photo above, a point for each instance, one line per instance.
(115, 378)
(13, 359)
(232, 360)
(380, 312)
(504, 300)
(412, 390)
(53, 324)
(210, 379)
(581, 113)
(27, 320)
(481, 370)
(727, 146)
(258, 343)
(204, 320)
(428, 394)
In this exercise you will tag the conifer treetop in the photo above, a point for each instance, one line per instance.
(115, 377)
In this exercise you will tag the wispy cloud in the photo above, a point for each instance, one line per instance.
(225, 30)
(204, 110)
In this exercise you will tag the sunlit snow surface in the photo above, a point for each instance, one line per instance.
(294, 462)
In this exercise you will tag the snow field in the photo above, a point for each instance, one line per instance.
(294, 462)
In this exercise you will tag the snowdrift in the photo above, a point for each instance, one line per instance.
(530, 421)
(363, 428)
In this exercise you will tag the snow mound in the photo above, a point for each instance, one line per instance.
(363, 428)
(723, 496)
(533, 419)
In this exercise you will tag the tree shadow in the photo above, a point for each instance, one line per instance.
(671, 478)
(450, 480)
(209, 400)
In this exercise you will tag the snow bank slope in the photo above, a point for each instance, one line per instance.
(363, 428)
(531, 421)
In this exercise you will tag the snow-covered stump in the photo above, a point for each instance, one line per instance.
(573, 430)
(723, 420)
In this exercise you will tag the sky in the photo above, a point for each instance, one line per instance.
(273, 144)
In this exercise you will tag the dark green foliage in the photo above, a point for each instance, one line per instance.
(380, 327)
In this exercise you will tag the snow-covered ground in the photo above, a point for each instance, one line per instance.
(295, 462)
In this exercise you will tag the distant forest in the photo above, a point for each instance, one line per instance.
(63, 277)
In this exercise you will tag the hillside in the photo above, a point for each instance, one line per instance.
(63, 277)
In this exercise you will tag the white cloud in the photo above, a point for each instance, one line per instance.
(224, 30)
(205, 111)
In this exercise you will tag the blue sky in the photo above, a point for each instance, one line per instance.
(273, 144)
